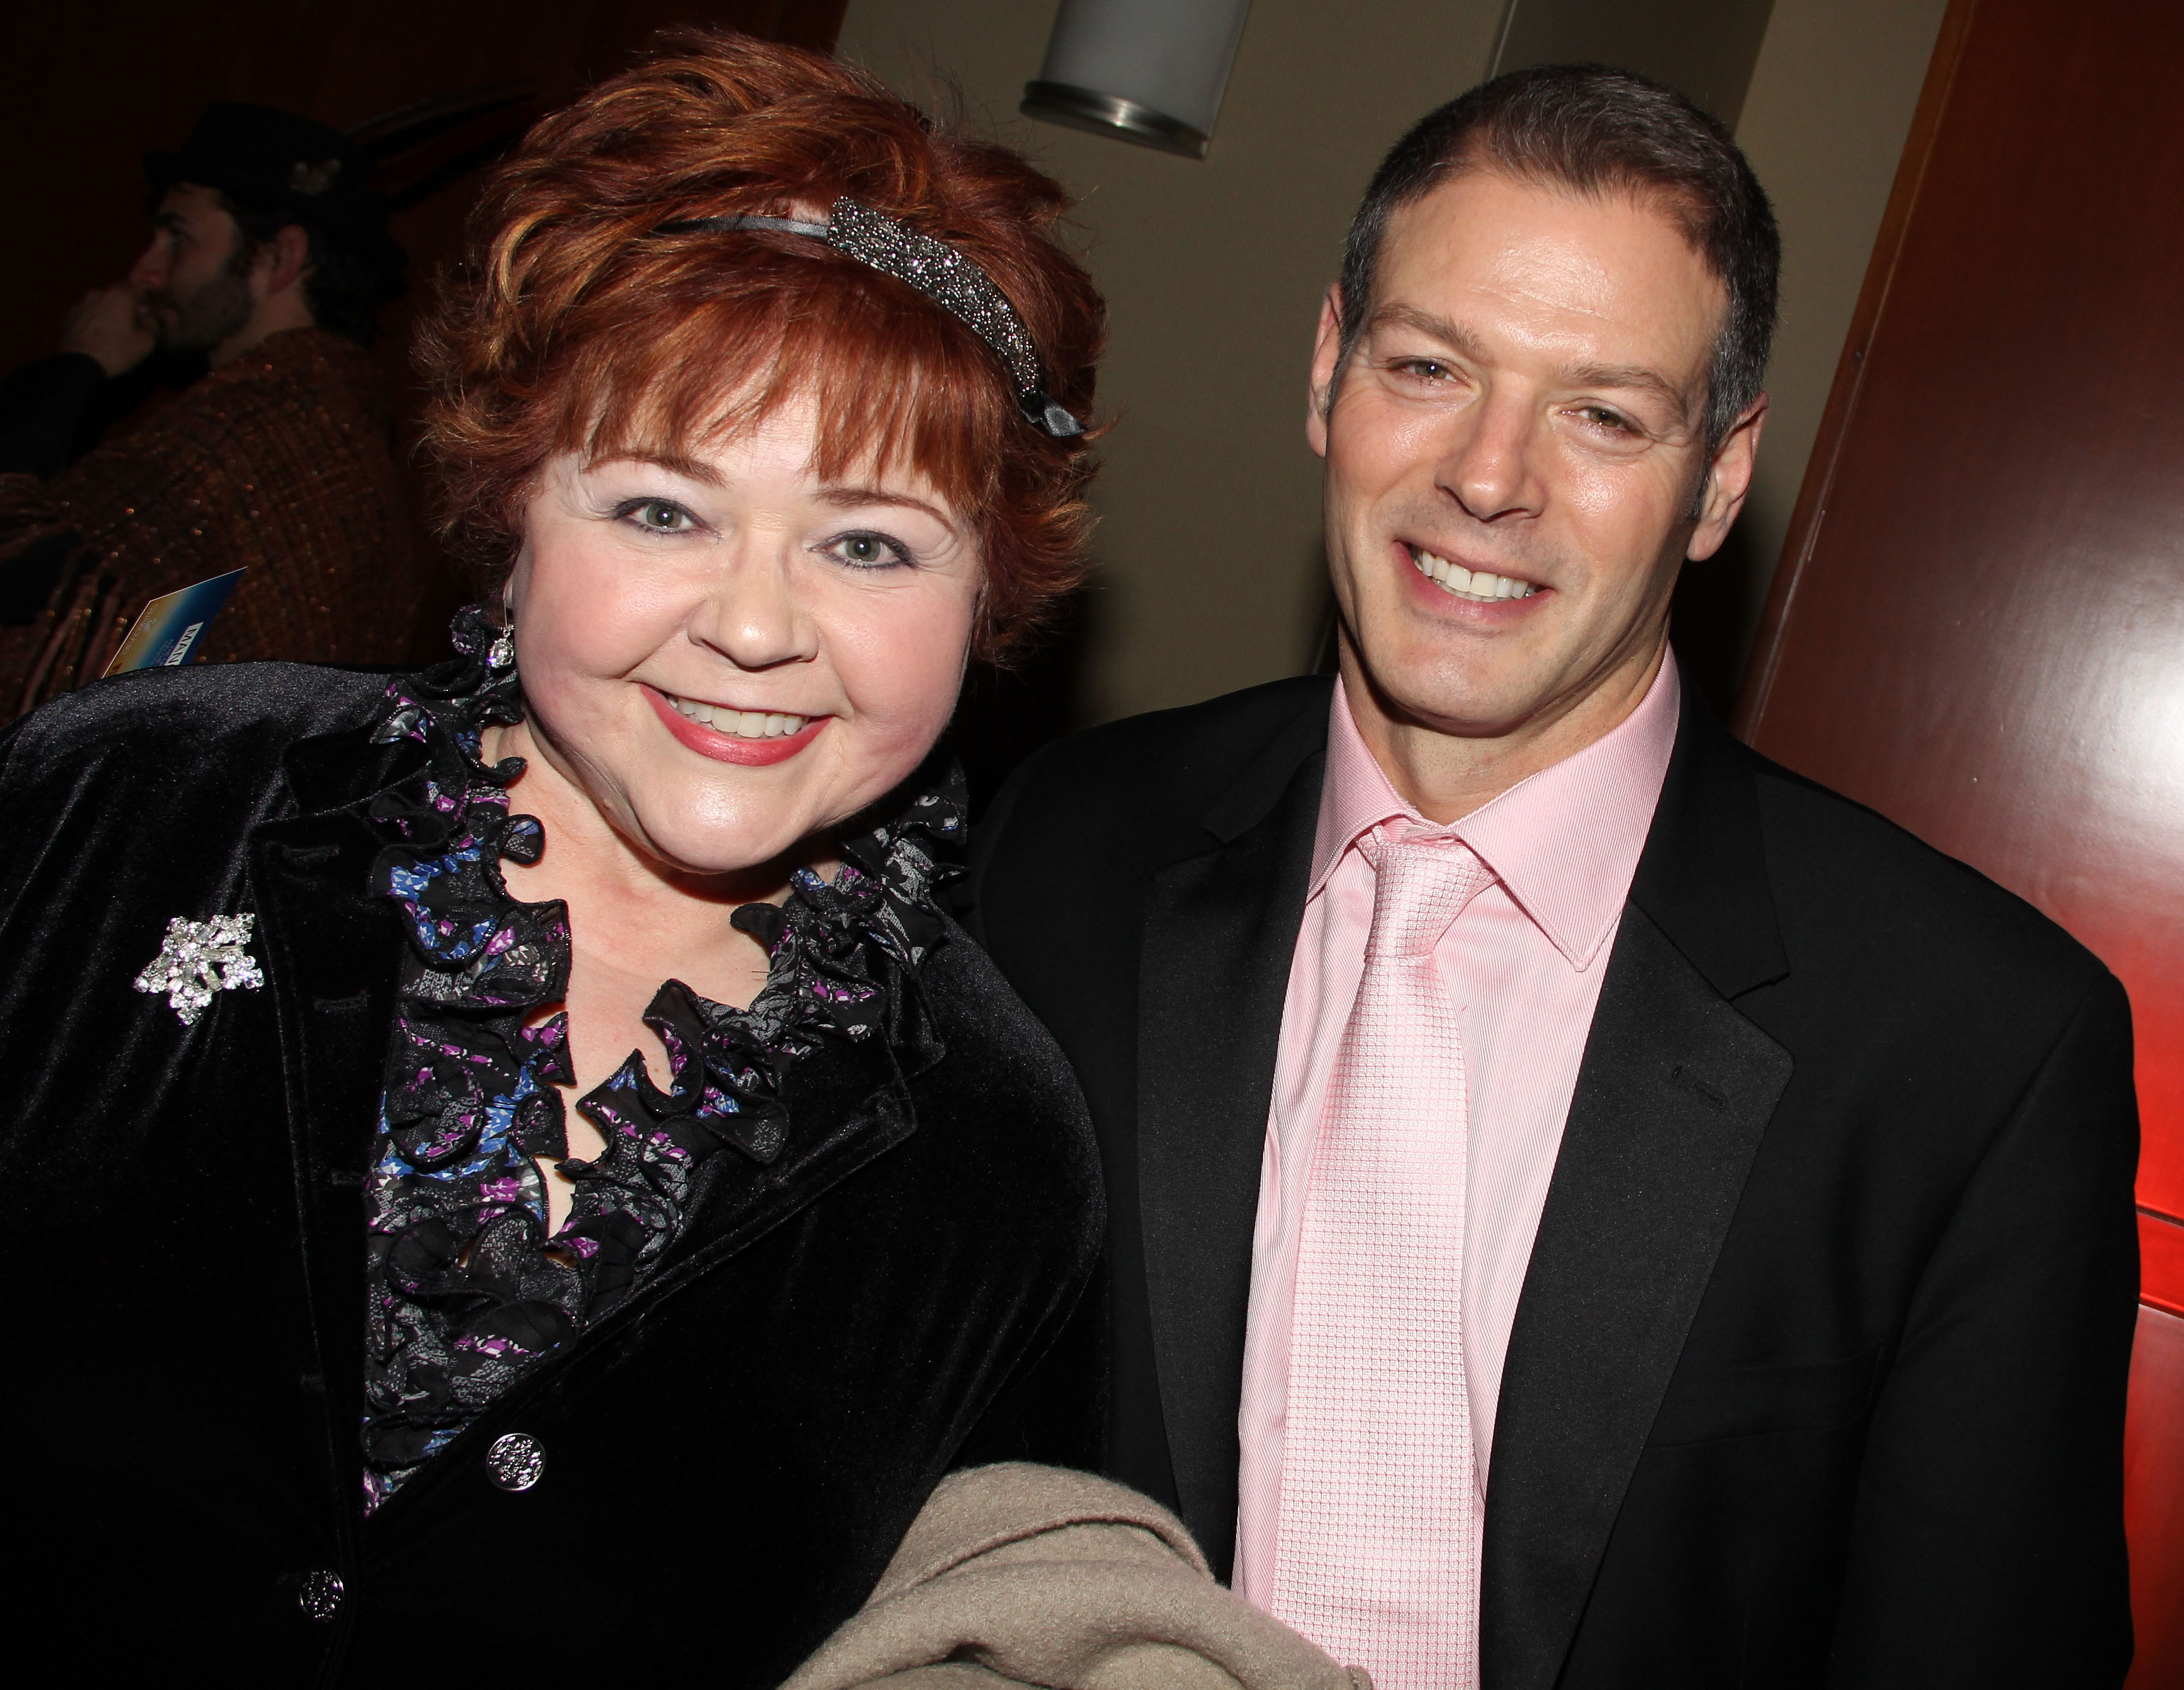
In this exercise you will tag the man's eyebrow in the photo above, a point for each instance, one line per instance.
(1450, 333)
(1624, 375)
(1458, 338)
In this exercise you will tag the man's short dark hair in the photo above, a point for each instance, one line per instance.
(343, 289)
(272, 168)
(1592, 129)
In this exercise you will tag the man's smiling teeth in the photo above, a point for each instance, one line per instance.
(1478, 585)
(743, 724)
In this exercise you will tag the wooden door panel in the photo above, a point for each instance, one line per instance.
(1978, 628)
(2153, 1481)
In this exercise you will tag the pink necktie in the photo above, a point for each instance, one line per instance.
(1376, 1553)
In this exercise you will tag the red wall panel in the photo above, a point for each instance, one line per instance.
(1977, 627)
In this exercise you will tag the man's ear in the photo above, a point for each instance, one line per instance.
(1727, 480)
(1326, 365)
(283, 261)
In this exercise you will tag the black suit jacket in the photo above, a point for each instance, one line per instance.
(732, 1453)
(1817, 1373)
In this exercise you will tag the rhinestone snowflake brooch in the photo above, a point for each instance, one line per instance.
(200, 957)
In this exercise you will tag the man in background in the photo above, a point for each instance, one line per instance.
(269, 257)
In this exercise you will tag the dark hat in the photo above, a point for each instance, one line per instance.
(273, 163)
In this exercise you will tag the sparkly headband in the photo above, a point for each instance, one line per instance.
(937, 270)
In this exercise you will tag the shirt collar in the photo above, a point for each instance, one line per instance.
(1564, 842)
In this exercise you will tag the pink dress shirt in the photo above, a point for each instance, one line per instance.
(1523, 964)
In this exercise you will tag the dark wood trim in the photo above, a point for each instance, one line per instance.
(2154, 1506)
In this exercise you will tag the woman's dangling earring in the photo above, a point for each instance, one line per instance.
(501, 654)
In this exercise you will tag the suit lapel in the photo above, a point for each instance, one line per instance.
(1676, 1091)
(1220, 928)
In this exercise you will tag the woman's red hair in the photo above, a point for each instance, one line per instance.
(578, 328)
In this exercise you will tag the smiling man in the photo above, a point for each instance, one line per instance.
(1588, 1208)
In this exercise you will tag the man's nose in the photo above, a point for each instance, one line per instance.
(1490, 469)
(753, 614)
(150, 269)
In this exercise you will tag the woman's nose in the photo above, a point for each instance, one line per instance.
(754, 617)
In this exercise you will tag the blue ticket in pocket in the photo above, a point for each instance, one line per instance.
(172, 626)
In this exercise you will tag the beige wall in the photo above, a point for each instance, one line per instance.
(1823, 124)
(1704, 49)
(1211, 575)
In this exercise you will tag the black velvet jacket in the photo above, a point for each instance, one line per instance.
(730, 1456)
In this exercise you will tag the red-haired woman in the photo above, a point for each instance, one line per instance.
(523, 1179)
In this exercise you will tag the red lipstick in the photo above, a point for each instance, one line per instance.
(727, 748)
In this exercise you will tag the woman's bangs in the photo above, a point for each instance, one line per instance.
(894, 386)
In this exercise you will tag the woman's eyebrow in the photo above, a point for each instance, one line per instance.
(847, 497)
(690, 468)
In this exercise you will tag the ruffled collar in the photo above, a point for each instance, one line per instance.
(466, 1288)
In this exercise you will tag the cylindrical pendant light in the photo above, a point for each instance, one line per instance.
(1149, 71)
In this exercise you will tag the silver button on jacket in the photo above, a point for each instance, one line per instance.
(516, 1461)
(320, 1594)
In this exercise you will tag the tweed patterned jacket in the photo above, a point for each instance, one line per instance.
(279, 462)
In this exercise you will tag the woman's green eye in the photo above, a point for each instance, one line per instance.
(870, 551)
(656, 516)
